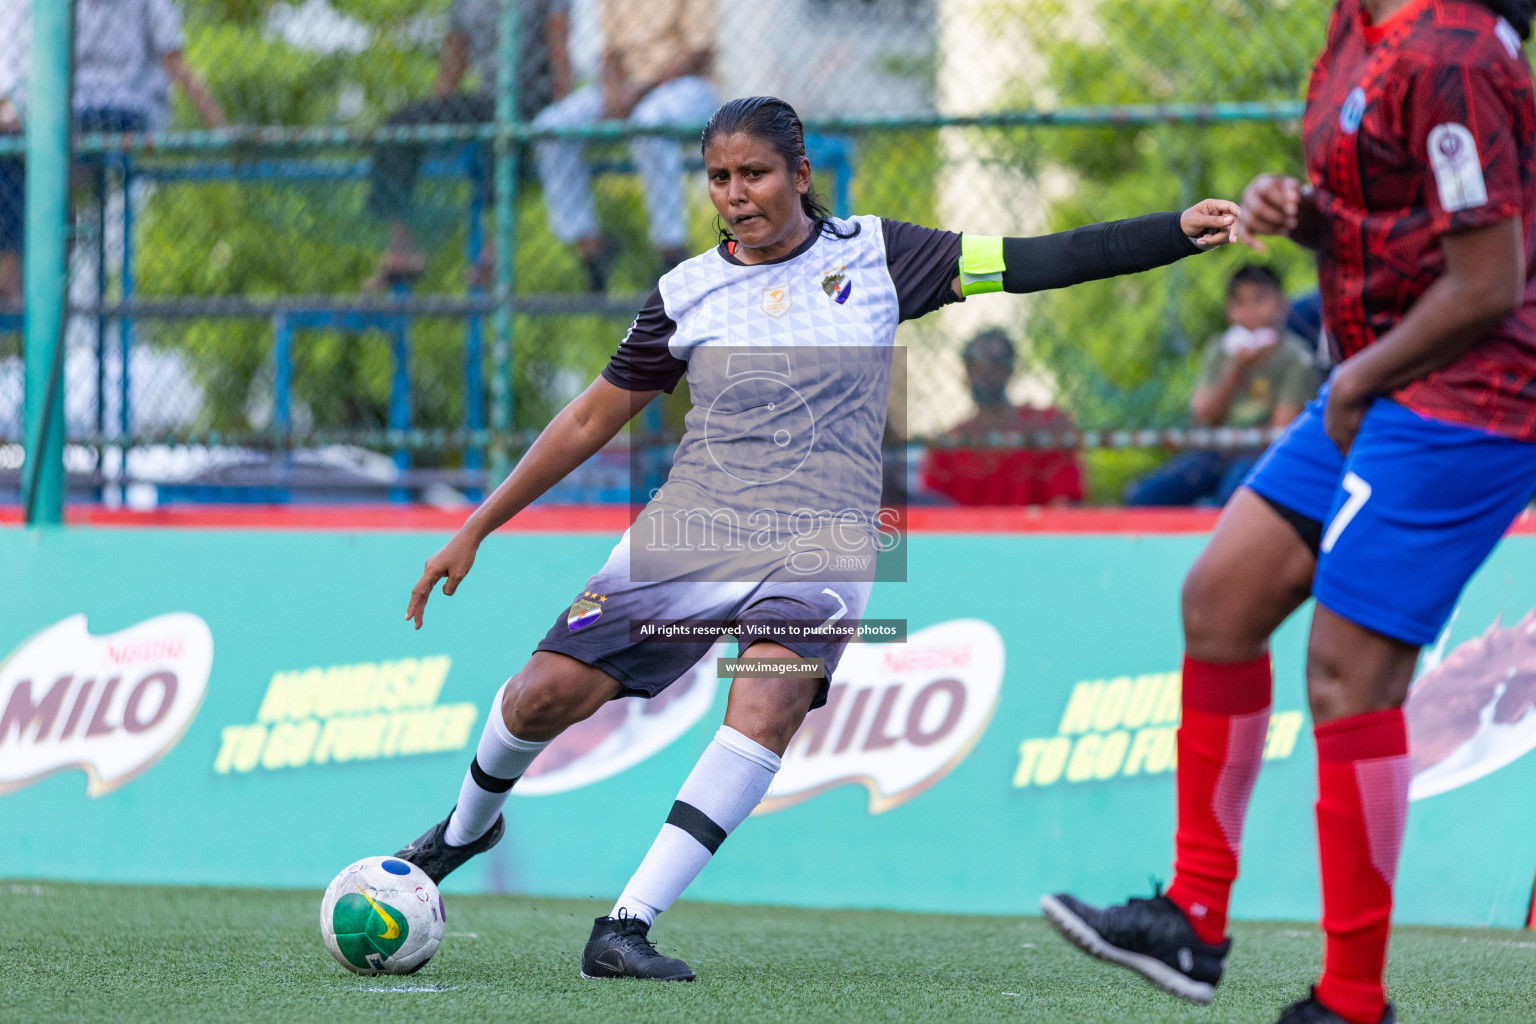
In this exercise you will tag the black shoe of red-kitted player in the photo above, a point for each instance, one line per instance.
(1310, 1011)
(1152, 937)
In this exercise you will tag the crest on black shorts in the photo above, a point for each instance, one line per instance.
(585, 611)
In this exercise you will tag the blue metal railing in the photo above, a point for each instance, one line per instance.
(392, 317)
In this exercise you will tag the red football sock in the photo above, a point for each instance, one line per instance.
(1221, 745)
(1363, 771)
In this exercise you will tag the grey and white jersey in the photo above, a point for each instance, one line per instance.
(788, 366)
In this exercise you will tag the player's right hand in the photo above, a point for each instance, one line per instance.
(1271, 206)
(452, 564)
(1211, 222)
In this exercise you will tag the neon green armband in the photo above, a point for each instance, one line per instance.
(981, 264)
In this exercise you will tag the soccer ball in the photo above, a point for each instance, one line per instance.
(382, 915)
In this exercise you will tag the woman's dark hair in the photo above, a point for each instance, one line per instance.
(776, 123)
(1518, 13)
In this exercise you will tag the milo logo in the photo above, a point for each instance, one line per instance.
(898, 718)
(109, 705)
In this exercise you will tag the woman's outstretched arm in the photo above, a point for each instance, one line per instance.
(576, 433)
(1116, 247)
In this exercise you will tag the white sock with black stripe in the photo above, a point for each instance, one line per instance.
(728, 782)
(500, 760)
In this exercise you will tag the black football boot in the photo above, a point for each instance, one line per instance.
(1152, 937)
(619, 948)
(432, 853)
(1310, 1011)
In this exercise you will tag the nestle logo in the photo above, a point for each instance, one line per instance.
(158, 649)
(110, 705)
(928, 659)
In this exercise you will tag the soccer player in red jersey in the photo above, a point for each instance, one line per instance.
(1382, 499)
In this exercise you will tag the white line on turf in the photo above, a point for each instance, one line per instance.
(405, 988)
(460, 935)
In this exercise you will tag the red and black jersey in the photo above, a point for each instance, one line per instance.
(1422, 126)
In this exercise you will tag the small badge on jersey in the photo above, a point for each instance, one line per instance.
(776, 301)
(585, 611)
(1509, 37)
(1353, 111)
(1458, 168)
(837, 286)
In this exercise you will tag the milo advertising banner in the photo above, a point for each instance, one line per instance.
(251, 708)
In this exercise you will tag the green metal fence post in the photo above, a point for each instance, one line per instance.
(506, 238)
(44, 260)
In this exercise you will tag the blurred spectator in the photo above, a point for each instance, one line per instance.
(15, 19)
(976, 466)
(544, 76)
(11, 213)
(127, 52)
(652, 73)
(1256, 374)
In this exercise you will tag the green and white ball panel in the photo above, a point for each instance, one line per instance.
(382, 915)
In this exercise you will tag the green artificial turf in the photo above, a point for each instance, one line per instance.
(120, 953)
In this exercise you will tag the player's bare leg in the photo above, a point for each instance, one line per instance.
(769, 711)
(552, 693)
(1357, 681)
(1354, 671)
(729, 780)
(1255, 572)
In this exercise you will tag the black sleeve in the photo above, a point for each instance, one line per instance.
(923, 263)
(1093, 252)
(643, 361)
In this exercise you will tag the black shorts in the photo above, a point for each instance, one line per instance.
(596, 631)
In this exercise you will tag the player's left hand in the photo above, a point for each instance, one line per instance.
(451, 564)
(1347, 404)
(1211, 222)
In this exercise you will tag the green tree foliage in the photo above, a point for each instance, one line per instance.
(1123, 352)
(269, 240)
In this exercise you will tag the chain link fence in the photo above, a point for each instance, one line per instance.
(360, 247)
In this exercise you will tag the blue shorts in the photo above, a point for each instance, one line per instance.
(1407, 518)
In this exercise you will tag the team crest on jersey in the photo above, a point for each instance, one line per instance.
(837, 286)
(776, 301)
(585, 611)
(1353, 111)
(1458, 168)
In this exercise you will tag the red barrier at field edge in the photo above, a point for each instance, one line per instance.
(614, 518)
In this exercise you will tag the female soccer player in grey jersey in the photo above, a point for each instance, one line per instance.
(785, 334)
